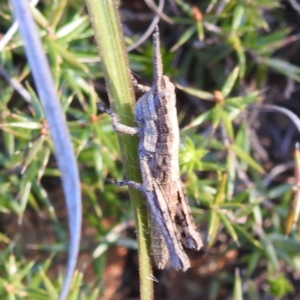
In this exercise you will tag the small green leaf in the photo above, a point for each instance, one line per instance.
(257, 211)
(280, 286)
(246, 157)
(94, 294)
(220, 196)
(247, 235)
(270, 252)
(197, 93)
(213, 227)
(35, 103)
(242, 138)
(59, 9)
(227, 224)
(231, 173)
(241, 102)
(44, 159)
(283, 67)
(238, 15)
(216, 114)
(69, 57)
(54, 61)
(39, 17)
(279, 190)
(23, 272)
(98, 163)
(52, 292)
(72, 29)
(9, 142)
(32, 154)
(237, 45)
(75, 287)
(237, 289)
(227, 124)
(184, 38)
(25, 125)
(200, 30)
(239, 198)
(242, 61)
(229, 83)
(199, 120)
(24, 195)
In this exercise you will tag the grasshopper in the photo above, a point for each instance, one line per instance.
(158, 132)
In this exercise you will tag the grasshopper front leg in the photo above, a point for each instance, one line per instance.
(117, 126)
(140, 87)
(133, 184)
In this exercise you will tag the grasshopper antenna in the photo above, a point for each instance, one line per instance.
(157, 61)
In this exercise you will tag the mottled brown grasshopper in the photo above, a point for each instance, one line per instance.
(156, 117)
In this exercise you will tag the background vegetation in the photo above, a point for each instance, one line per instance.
(237, 163)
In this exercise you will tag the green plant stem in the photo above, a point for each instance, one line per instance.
(109, 37)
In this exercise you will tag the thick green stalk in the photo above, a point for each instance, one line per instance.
(109, 37)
